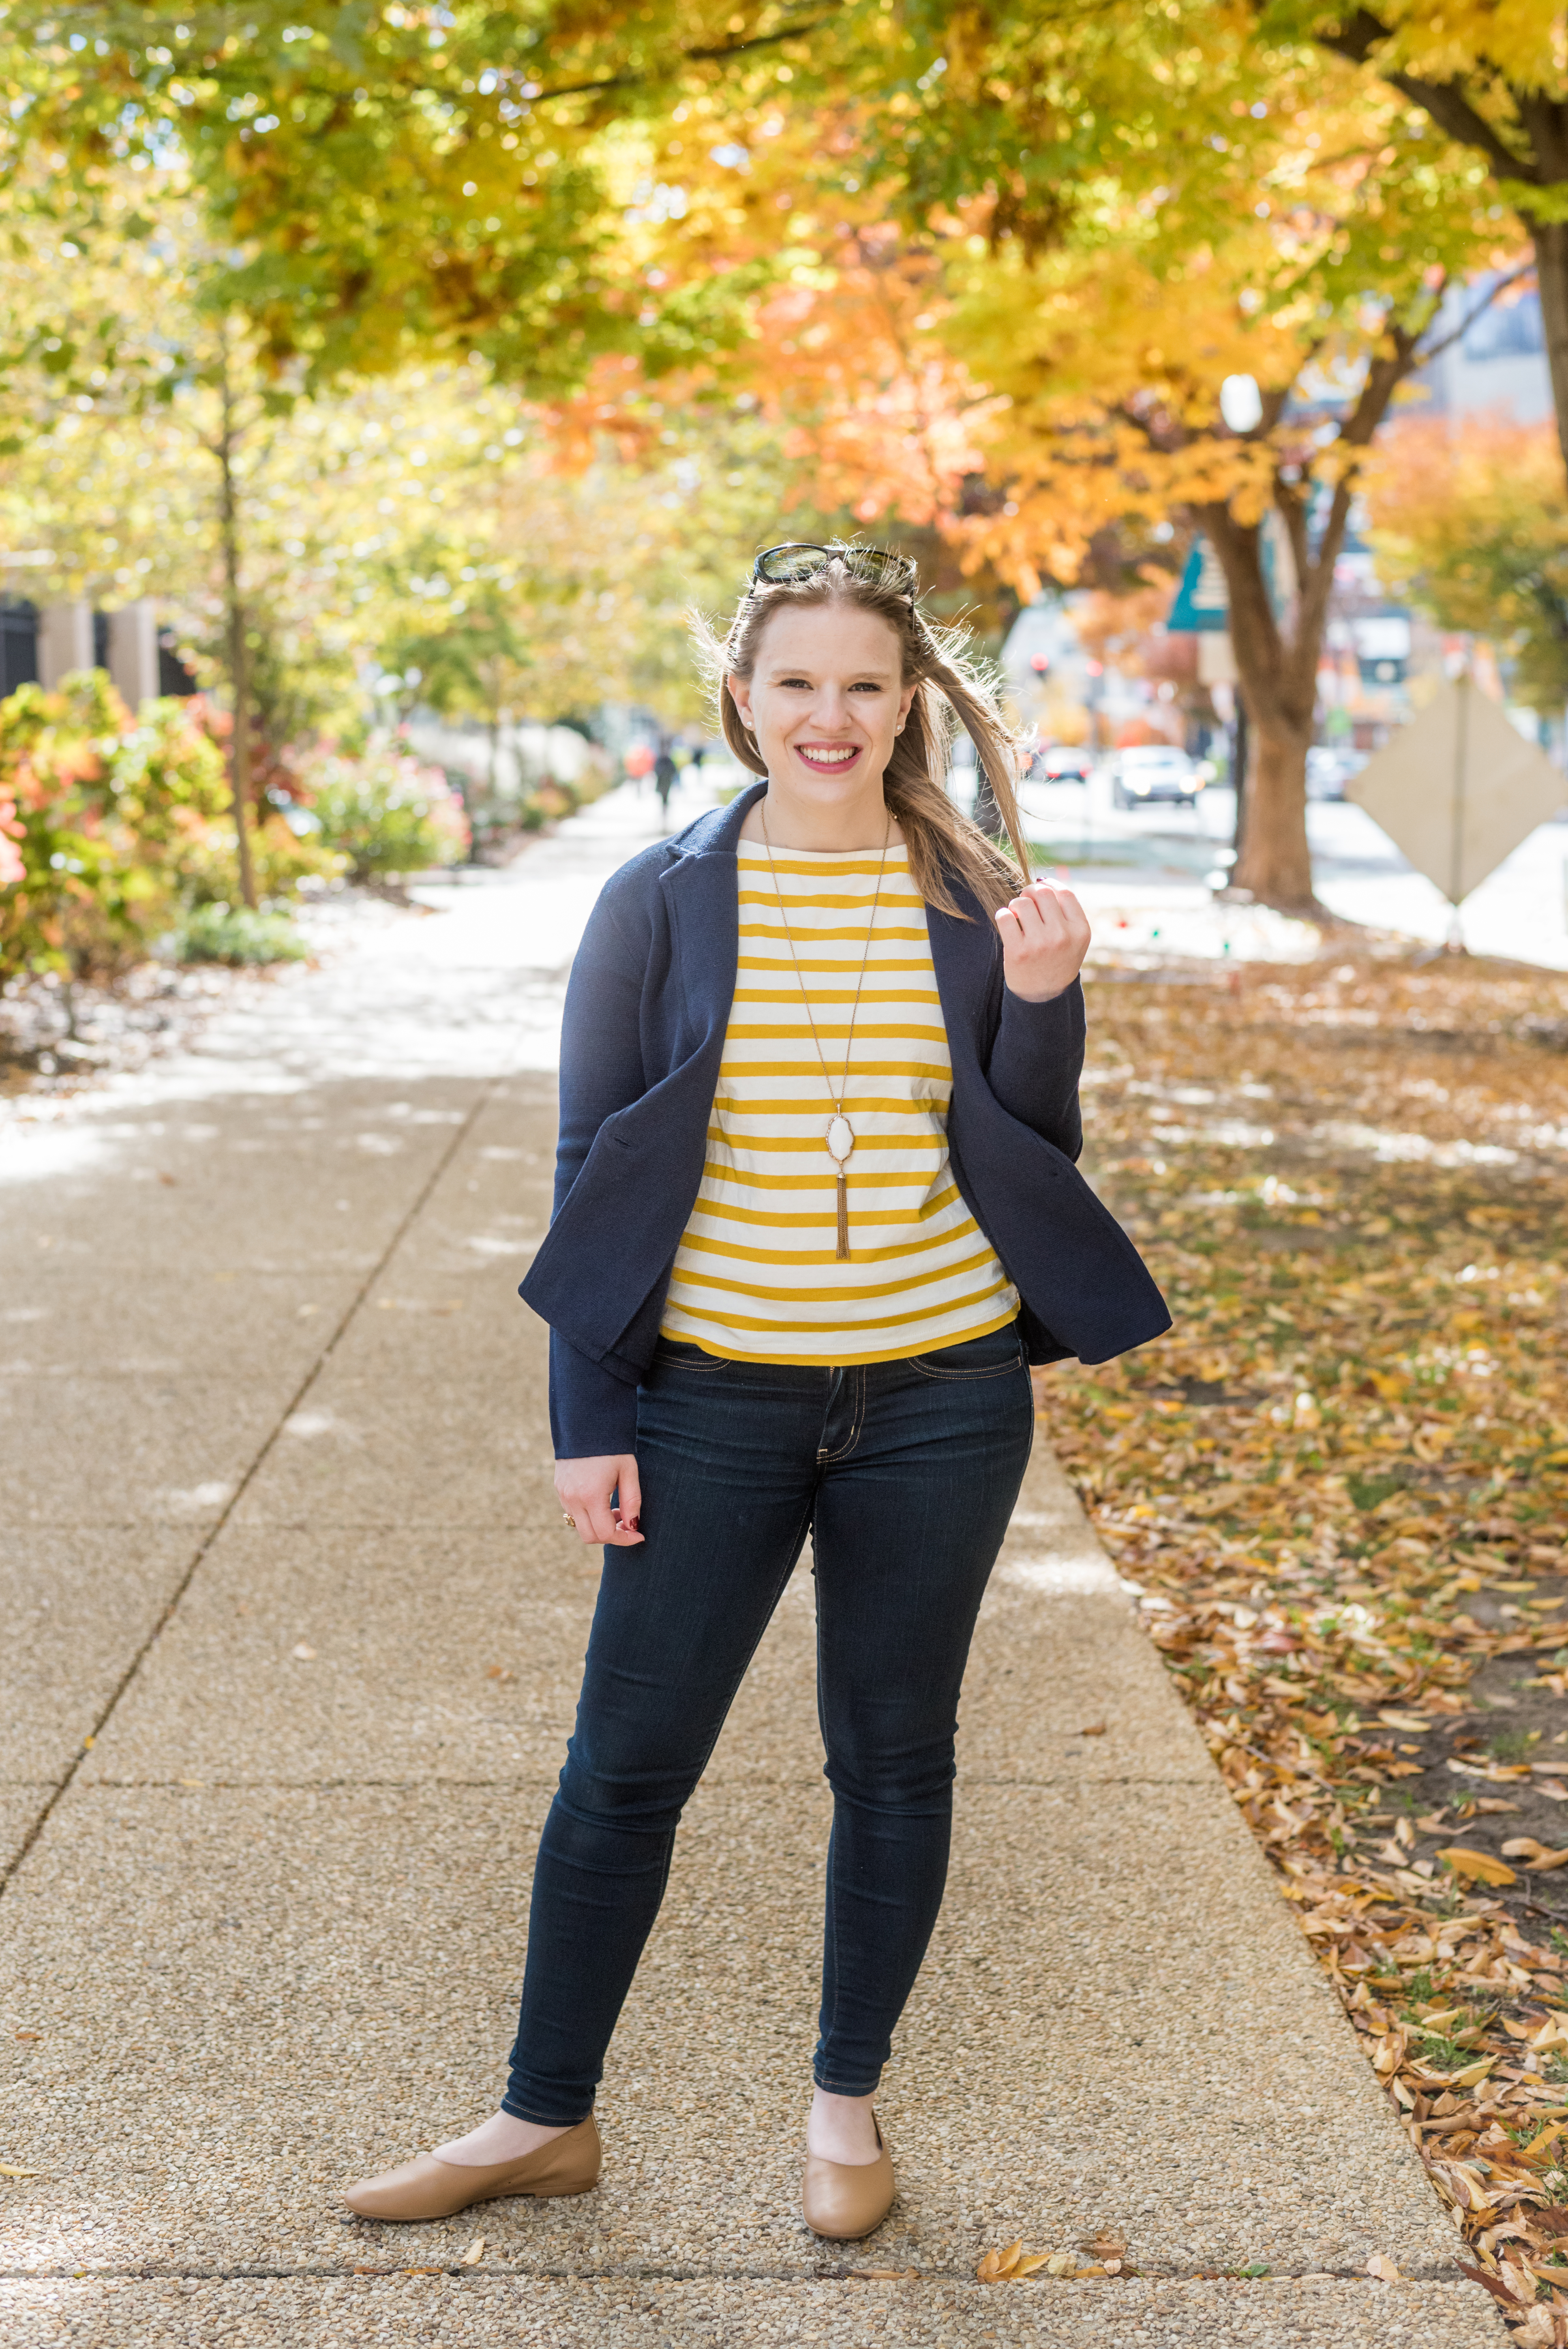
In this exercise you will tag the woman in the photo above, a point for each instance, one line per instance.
(816, 1212)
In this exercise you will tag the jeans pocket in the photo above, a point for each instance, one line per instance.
(680, 1354)
(995, 1356)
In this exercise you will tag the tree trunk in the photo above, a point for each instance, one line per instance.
(1550, 239)
(1279, 688)
(234, 619)
(1275, 863)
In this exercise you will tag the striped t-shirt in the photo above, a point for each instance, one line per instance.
(756, 1273)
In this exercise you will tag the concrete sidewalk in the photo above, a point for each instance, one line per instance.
(295, 1633)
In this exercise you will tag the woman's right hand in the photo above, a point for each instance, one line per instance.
(587, 1491)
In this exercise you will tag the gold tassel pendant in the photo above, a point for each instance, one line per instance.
(840, 1140)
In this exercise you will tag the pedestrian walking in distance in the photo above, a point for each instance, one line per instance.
(665, 776)
(816, 1213)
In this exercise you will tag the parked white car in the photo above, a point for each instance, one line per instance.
(1156, 771)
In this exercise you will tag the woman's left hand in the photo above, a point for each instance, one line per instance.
(1044, 937)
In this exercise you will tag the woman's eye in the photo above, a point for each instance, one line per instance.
(867, 688)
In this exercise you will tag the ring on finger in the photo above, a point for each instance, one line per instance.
(568, 1519)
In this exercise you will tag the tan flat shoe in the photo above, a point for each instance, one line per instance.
(846, 2200)
(428, 2188)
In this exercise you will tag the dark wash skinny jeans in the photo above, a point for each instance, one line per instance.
(905, 1474)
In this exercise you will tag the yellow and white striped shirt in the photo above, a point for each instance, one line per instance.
(757, 1274)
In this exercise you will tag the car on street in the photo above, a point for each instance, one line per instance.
(1057, 762)
(1147, 771)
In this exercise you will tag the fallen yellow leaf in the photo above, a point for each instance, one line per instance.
(1060, 2262)
(475, 2253)
(998, 2265)
(1539, 2151)
(1535, 1855)
(1381, 2266)
(8, 2170)
(1477, 1867)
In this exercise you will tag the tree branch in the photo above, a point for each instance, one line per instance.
(1166, 447)
(1273, 403)
(1315, 581)
(683, 57)
(1362, 33)
(1292, 509)
(1526, 269)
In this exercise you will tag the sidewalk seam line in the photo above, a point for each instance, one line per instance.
(544, 1776)
(455, 1139)
(521, 2275)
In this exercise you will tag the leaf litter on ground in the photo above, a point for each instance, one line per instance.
(1339, 1492)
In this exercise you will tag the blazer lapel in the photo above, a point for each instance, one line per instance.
(964, 956)
(701, 890)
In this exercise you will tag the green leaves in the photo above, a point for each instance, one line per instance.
(1473, 526)
(381, 188)
(99, 818)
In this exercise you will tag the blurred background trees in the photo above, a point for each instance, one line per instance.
(1474, 526)
(538, 322)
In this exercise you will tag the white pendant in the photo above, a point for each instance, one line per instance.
(841, 1139)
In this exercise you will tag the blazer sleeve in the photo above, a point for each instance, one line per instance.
(593, 1414)
(1036, 1060)
(592, 1411)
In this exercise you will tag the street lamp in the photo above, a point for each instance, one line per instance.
(1242, 403)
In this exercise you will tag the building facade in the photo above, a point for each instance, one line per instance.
(40, 644)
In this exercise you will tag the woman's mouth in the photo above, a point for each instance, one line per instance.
(829, 758)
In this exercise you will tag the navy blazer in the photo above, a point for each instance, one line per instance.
(646, 1008)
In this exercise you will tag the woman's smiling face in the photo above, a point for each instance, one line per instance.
(824, 700)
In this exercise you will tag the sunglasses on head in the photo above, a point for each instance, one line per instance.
(783, 566)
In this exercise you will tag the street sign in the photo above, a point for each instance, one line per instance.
(1202, 601)
(1458, 789)
(1203, 604)
(1216, 660)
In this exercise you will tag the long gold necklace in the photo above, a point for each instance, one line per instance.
(839, 1136)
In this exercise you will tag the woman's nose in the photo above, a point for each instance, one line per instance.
(833, 711)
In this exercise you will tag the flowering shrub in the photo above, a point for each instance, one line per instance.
(281, 859)
(548, 805)
(232, 934)
(101, 816)
(385, 812)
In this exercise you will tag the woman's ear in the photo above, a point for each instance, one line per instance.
(739, 692)
(907, 701)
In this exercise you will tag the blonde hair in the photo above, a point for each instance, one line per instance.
(950, 691)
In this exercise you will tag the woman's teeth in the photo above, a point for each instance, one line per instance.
(815, 757)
